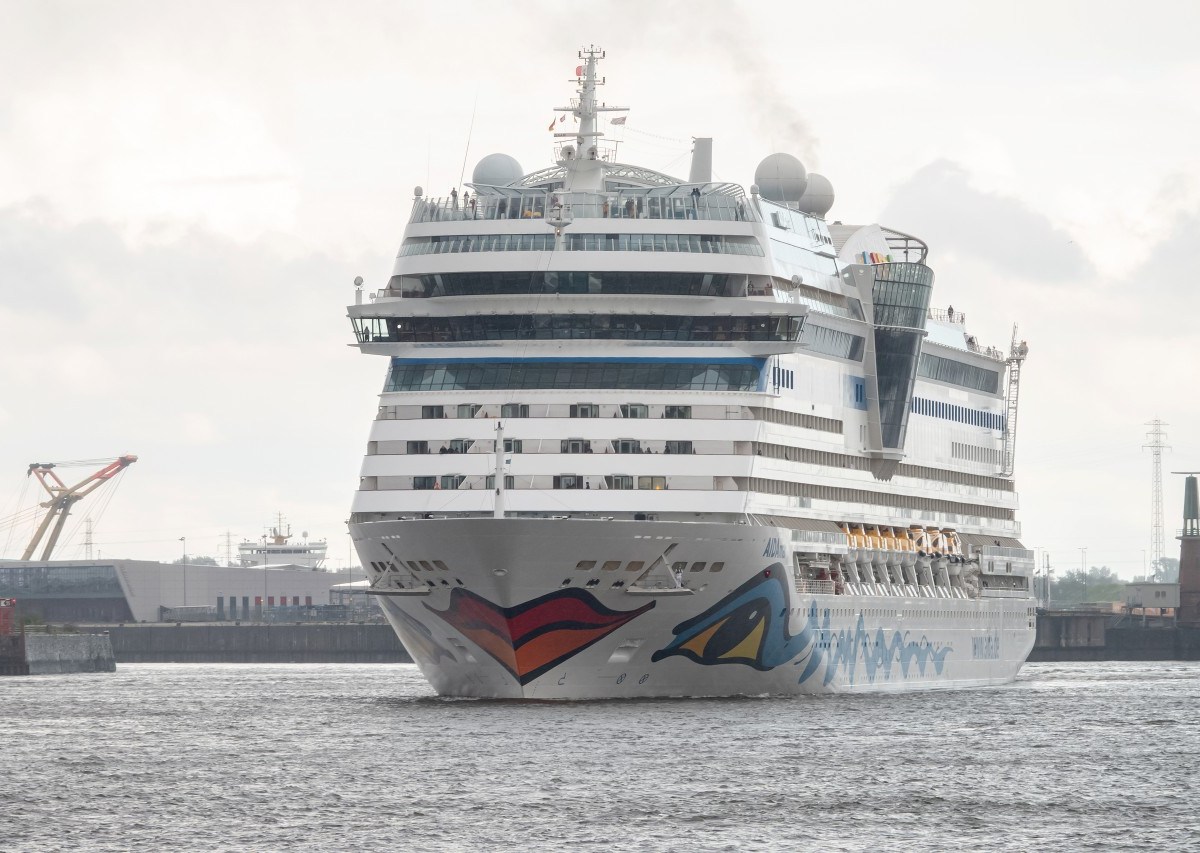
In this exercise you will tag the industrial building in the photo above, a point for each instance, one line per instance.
(143, 591)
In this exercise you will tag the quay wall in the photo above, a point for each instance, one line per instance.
(1064, 636)
(12, 655)
(47, 654)
(271, 643)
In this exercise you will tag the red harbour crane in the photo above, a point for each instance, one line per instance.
(63, 497)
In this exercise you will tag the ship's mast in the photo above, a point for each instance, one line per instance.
(278, 535)
(584, 165)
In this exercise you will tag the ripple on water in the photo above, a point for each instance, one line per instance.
(328, 757)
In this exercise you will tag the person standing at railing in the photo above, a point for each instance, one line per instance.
(454, 199)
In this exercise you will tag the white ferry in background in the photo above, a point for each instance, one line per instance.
(275, 548)
(646, 436)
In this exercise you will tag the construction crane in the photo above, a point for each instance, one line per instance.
(1016, 357)
(63, 497)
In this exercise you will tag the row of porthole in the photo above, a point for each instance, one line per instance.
(594, 582)
(638, 565)
(444, 582)
(414, 565)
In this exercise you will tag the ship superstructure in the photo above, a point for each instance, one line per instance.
(643, 436)
(275, 548)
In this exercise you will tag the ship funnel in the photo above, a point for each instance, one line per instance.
(701, 171)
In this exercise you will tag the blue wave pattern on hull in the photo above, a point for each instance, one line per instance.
(748, 627)
(843, 649)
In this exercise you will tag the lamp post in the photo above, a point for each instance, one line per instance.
(345, 595)
(1083, 568)
(183, 565)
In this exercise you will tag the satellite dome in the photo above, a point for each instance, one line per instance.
(497, 170)
(818, 197)
(781, 178)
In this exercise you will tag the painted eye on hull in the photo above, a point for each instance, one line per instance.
(742, 627)
(737, 637)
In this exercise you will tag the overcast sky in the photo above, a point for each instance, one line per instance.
(187, 191)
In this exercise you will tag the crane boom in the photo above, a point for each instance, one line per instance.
(63, 497)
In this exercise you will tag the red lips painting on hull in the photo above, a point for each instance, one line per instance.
(531, 638)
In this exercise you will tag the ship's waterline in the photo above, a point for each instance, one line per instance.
(580, 609)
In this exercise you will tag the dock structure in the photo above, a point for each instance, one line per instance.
(44, 650)
(1099, 635)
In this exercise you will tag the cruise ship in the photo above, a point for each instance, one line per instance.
(642, 436)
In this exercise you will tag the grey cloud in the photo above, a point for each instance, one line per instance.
(225, 366)
(939, 205)
(37, 261)
(1166, 282)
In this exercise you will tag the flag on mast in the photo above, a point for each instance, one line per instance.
(619, 120)
(552, 123)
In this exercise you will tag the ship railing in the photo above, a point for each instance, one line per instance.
(815, 587)
(990, 592)
(622, 204)
(994, 353)
(819, 537)
(948, 315)
(731, 413)
(913, 249)
(1003, 551)
(959, 318)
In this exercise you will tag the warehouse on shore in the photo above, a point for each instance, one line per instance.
(146, 591)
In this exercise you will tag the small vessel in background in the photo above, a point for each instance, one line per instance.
(275, 549)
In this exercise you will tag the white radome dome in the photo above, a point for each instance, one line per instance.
(818, 196)
(781, 178)
(497, 170)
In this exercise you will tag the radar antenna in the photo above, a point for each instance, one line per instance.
(1017, 352)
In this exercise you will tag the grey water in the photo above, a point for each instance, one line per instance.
(327, 757)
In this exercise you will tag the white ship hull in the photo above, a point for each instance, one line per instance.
(510, 608)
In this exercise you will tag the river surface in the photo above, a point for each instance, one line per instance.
(360, 757)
